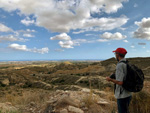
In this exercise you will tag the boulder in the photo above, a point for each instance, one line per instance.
(66, 100)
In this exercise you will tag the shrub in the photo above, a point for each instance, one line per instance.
(140, 102)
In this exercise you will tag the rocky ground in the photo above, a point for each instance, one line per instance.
(61, 87)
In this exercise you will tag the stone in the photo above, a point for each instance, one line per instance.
(5, 82)
(86, 90)
(64, 111)
(66, 100)
(75, 109)
(102, 102)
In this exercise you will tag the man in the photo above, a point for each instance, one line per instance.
(122, 95)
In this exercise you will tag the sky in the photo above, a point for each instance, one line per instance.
(73, 29)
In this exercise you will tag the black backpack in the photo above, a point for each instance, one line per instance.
(134, 80)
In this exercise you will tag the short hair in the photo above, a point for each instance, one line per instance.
(121, 55)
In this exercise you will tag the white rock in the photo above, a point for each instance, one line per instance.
(103, 102)
(64, 111)
(5, 82)
(86, 90)
(75, 109)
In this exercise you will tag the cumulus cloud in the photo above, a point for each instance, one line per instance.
(66, 15)
(24, 48)
(115, 36)
(4, 28)
(18, 47)
(27, 21)
(143, 31)
(11, 38)
(66, 44)
(62, 36)
(101, 24)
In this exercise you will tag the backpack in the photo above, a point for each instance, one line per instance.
(134, 80)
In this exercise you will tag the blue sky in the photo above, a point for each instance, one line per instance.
(73, 29)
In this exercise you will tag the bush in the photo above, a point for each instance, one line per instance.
(140, 102)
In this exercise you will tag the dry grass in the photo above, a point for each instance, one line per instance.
(27, 97)
(89, 99)
(140, 102)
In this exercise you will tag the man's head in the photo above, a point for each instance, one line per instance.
(120, 53)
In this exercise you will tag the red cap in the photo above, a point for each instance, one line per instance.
(121, 50)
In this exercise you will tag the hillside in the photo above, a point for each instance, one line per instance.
(62, 87)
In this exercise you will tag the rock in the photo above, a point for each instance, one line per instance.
(66, 100)
(86, 90)
(102, 102)
(75, 109)
(5, 82)
(64, 111)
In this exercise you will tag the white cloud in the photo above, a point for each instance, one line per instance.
(28, 35)
(26, 31)
(62, 36)
(101, 24)
(91, 35)
(143, 31)
(66, 15)
(102, 40)
(11, 38)
(4, 28)
(42, 50)
(115, 36)
(27, 21)
(19, 47)
(66, 44)
(125, 41)
(24, 48)
(132, 46)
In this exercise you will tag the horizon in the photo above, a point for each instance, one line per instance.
(64, 59)
(73, 29)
